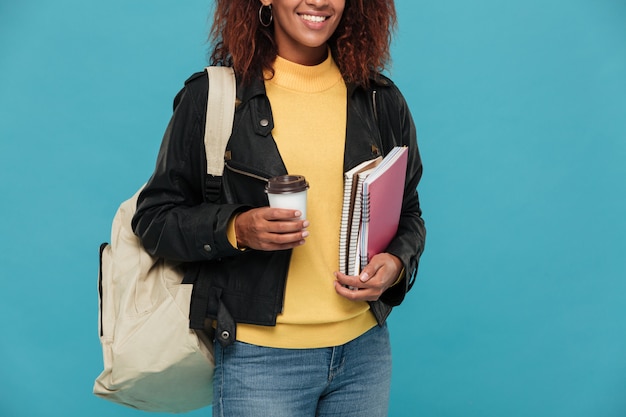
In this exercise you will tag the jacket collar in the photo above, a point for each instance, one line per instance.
(246, 92)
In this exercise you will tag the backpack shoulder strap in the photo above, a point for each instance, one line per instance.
(219, 117)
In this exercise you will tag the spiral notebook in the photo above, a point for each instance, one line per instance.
(372, 203)
(381, 204)
(351, 215)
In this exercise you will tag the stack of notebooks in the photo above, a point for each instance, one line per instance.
(372, 202)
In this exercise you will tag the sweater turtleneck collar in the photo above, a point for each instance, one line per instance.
(305, 78)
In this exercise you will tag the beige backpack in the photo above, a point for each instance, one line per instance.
(152, 360)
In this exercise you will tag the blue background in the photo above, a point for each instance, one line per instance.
(520, 305)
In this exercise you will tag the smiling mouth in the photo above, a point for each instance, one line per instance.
(314, 19)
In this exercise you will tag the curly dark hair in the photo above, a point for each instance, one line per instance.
(360, 45)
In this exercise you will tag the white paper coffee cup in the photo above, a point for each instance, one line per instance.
(288, 191)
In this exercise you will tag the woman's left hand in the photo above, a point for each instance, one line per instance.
(381, 273)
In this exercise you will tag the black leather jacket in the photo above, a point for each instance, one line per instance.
(183, 213)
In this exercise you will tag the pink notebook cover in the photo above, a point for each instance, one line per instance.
(383, 191)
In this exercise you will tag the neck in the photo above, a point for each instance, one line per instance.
(305, 55)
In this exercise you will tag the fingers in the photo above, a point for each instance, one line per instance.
(382, 271)
(353, 289)
(272, 214)
(270, 229)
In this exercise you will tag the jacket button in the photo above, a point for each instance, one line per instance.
(264, 122)
(207, 248)
(225, 334)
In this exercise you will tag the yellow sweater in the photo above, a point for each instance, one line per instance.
(309, 110)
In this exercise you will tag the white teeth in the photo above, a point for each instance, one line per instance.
(310, 18)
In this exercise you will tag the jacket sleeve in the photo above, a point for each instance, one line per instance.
(408, 244)
(173, 219)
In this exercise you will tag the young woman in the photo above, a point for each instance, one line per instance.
(294, 337)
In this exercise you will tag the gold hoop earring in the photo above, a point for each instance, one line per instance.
(269, 9)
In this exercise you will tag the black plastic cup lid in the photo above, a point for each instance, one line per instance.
(286, 184)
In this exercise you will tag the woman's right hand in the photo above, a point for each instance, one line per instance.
(269, 229)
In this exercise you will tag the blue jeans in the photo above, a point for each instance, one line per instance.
(351, 380)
